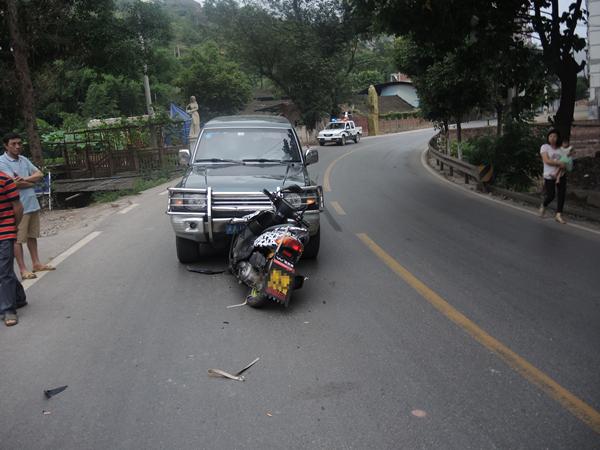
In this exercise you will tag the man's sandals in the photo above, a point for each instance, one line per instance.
(31, 275)
(43, 267)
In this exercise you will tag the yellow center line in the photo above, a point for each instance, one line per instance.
(338, 208)
(575, 405)
(327, 176)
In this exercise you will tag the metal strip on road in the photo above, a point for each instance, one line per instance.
(64, 255)
(574, 404)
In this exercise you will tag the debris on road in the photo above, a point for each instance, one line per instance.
(237, 376)
(418, 413)
(241, 304)
(52, 392)
(46, 413)
(204, 271)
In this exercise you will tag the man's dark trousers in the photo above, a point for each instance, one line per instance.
(12, 294)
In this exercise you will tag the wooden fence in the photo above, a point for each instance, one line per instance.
(87, 163)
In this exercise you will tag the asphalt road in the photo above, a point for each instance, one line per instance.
(371, 353)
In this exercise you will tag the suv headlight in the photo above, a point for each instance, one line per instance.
(310, 200)
(293, 199)
(196, 202)
(182, 202)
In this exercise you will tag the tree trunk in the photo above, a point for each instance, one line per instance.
(19, 49)
(568, 88)
(458, 138)
(499, 118)
(447, 135)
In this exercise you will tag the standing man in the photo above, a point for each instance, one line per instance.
(25, 175)
(12, 295)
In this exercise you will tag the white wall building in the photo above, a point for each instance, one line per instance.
(594, 57)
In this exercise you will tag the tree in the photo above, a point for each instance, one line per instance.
(217, 82)
(304, 47)
(557, 33)
(449, 89)
(23, 75)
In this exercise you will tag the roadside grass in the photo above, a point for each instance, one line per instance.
(147, 181)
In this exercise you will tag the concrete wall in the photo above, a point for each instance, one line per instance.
(594, 57)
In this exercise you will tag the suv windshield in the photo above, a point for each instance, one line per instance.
(335, 126)
(248, 144)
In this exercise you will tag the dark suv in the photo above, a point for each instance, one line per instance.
(234, 159)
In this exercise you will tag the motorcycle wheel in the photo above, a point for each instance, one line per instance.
(256, 299)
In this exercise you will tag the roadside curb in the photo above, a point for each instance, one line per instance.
(535, 200)
(497, 198)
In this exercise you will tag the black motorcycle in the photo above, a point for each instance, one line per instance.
(265, 248)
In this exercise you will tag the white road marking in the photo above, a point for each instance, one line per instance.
(129, 208)
(164, 193)
(64, 255)
(491, 199)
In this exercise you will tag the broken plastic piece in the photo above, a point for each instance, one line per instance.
(52, 392)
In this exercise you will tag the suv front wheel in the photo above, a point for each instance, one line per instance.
(312, 248)
(187, 251)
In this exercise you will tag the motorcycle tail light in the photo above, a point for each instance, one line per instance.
(289, 243)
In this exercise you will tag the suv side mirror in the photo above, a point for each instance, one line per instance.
(311, 156)
(184, 157)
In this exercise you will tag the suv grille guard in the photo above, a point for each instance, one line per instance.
(223, 202)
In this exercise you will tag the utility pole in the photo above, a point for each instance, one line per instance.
(147, 92)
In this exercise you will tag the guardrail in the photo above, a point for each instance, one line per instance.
(468, 170)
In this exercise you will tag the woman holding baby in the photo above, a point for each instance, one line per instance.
(557, 161)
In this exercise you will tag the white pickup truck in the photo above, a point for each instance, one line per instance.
(340, 132)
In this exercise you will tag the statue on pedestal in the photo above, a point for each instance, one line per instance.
(373, 111)
(192, 110)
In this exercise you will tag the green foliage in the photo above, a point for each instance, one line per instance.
(110, 196)
(113, 96)
(475, 48)
(361, 80)
(449, 89)
(218, 84)
(145, 182)
(514, 155)
(99, 103)
(305, 48)
(401, 115)
(583, 88)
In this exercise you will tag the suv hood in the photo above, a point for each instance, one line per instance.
(244, 178)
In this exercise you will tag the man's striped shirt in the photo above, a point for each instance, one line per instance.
(8, 193)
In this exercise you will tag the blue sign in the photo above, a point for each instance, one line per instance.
(43, 187)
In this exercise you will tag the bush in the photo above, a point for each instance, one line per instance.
(514, 155)
(401, 115)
